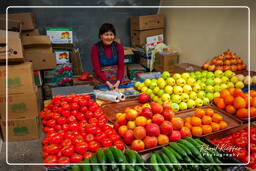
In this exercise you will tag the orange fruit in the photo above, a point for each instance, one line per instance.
(131, 114)
(230, 109)
(220, 103)
(252, 93)
(196, 121)
(197, 131)
(253, 102)
(177, 123)
(207, 120)
(224, 93)
(217, 118)
(199, 113)
(188, 119)
(239, 102)
(207, 129)
(229, 100)
(231, 90)
(163, 139)
(238, 92)
(223, 124)
(253, 111)
(215, 126)
(209, 112)
(188, 125)
(242, 113)
(141, 121)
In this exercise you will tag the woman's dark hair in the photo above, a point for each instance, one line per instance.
(105, 28)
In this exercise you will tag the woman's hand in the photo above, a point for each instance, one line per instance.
(116, 84)
(110, 86)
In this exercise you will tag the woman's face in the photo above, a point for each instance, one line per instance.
(107, 38)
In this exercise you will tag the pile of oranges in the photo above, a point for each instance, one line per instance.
(236, 102)
(205, 121)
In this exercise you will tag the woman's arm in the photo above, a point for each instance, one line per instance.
(120, 71)
(96, 63)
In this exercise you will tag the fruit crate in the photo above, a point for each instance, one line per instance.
(232, 121)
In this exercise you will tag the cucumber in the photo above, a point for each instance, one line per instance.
(194, 167)
(185, 149)
(86, 167)
(119, 157)
(177, 148)
(76, 168)
(159, 160)
(171, 157)
(218, 168)
(194, 142)
(110, 158)
(192, 148)
(138, 168)
(153, 160)
(166, 160)
(102, 159)
(176, 154)
(140, 160)
(131, 156)
(95, 167)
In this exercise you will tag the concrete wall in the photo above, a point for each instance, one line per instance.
(200, 34)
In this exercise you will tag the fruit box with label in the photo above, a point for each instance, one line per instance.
(147, 22)
(15, 50)
(21, 129)
(60, 35)
(20, 78)
(164, 60)
(62, 56)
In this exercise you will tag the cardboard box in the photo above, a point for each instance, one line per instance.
(13, 25)
(20, 78)
(138, 38)
(164, 60)
(27, 20)
(41, 61)
(62, 56)
(21, 129)
(60, 35)
(34, 32)
(19, 105)
(15, 50)
(147, 22)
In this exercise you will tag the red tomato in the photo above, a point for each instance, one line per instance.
(78, 139)
(44, 122)
(109, 132)
(253, 138)
(74, 112)
(71, 119)
(55, 138)
(253, 147)
(66, 142)
(76, 158)
(45, 140)
(240, 142)
(100, 137)
(57, 128)
(80, 116)
(93, 120)
(94, 145)
(90, 103)
(75, 106)
(66, 107)
(65, 113)
(64, 160)
(104, 128)
(81, 148)
(82, 103)
(86, 96)
(106, 142)
(49, 130)
(67, 150)
(73, 126)
(51, 122)
(88, 115)
(88, 154)
(119, 145)
(50, 159)
(62, 120)
(114, 137)
(91, 129)
(65, 127)
(240, 154)
(93, 108)
(52, 149)
(89, 137)
(83, 109)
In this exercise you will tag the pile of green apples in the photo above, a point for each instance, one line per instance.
(188, 90)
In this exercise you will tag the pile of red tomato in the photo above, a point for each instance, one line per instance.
(237, 144)
(75, 127)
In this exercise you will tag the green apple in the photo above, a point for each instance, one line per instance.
(155, 99)
(192, 74)
(140, 86)
(201, 94)
(230, 84)
(168, 89)
(165, 75)
(144, 89)
(198, 75)
(137, 84)
(185, 75)
(223, 86)
(191, 104)
(184, 97)
(196, 88)
(187, 89)
(224, 79)
(178, 89)
(176, 98)
(165, 97)
(181, 82)
(159, 101)
(176, 76)
(202, 85)
(153, 80)
(210, 75)
(216, 94)
(234, 79)
(209, 81)
(162, 84)
(152, 96)
(175, 107)
(160, 80)
(229, 73)
(191, 81)
(239, 84)
(206, 101)
(209, 89)
(193, 95)
(199, 102)
(203, 79)
(152, 85)
(149, 91)
(217, 80)
(209, 96)
(156, 89)
(218, 73)
(147, 82)
(170, 81)
(217, 88)
(204, 73)
(183, 106)
(160, 92)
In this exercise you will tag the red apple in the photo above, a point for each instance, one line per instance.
(168, 113)
(139, 132)
(156, 107)
(137, 145)
(175, 136)
(150, 142)
(143, 98)
(152, 129)
(158, 119)
(185, 132)
(128, 137)
(166, 128)
(147, 112)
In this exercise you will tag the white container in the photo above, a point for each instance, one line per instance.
(60, 35)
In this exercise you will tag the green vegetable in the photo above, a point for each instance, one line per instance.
(153, 160)
(176, 154)
(86, 167)
(110, 158)
(192, 148)
(95, 167)
(76, 168)
(101, 159)
(177, 148)
(166, 160)
(171, 157)
(131, 156)
(159, 160)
